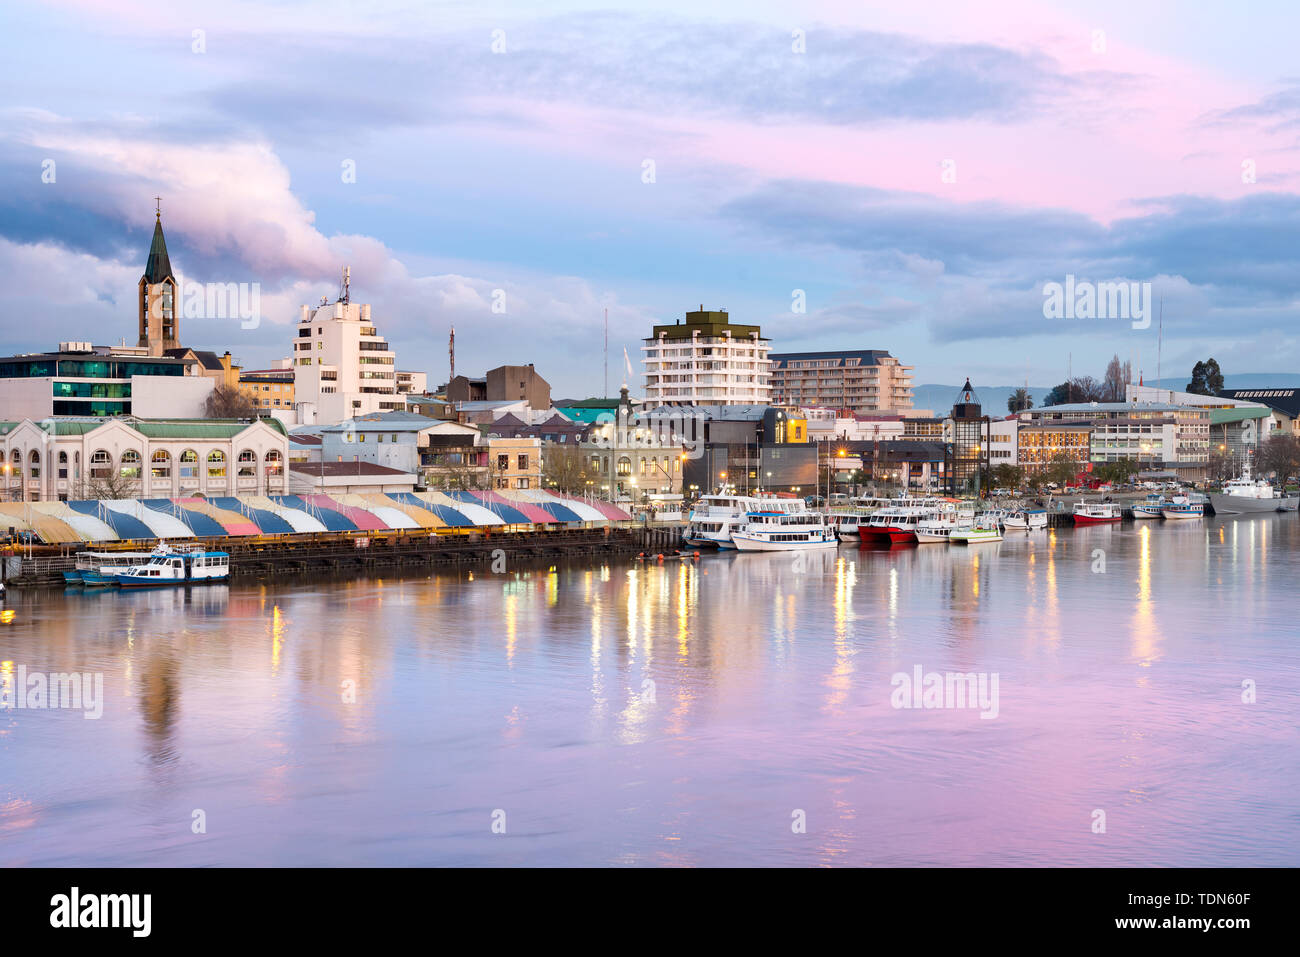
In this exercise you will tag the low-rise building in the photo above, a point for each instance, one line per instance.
(516, 463)
(347, 478)
(81, 379)
(131, 457)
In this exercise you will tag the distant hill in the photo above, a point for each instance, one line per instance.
(940, 398)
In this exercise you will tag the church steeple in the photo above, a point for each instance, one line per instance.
(158, 267)
(159, 326)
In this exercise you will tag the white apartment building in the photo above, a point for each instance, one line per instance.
(861, 382)
(707, 361)
(342, 366)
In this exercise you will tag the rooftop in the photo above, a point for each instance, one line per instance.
(706, 323)
(337, 469)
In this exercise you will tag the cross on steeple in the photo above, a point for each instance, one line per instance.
(158, 206)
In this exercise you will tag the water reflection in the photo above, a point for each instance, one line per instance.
(680, 712)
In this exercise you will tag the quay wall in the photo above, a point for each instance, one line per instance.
(258, 558)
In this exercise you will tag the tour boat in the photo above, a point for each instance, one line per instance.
(985, 529)
(783, 532)
(1152, 507)
(1095, 513)
(939, 527)
(100, 569)
(1025, 518)
(177, 568)
(1245, 494)
(1183, 506)
(713, 518)
(846, 524)
(900, 524)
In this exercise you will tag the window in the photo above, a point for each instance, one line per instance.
(247, 464)
(160, 465)
(522, 483)
(101, 465)
(189, 464)
(523, 463)
(503, 463)
(624, 466)
(273, 462)
(130, 466)
(35, 463)
(216, 464)
(63, 465)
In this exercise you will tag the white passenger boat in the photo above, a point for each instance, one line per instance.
(179, 567)
(1184, 506)
(714, 517)
(1025, 519)
(1151, 507)
(783, 532)
(96, 569)
(939, 528)
(845, 524)
(1244, 495)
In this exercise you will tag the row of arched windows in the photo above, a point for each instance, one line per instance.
(129, 466)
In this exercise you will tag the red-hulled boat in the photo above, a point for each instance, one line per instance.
(1096, 513)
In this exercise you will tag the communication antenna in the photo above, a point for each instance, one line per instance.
(343, 289)
(451, 353)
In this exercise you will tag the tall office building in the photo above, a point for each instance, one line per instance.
(867, 381)
(342, 366)
(709, 360)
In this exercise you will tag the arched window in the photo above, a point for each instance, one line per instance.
(274, 462)
(130, 464)
(35, 462)
(624, 466)
(216, 464)
(63, 465)
(101, 465)
(161, 466)
(247, 464)
(189, 464)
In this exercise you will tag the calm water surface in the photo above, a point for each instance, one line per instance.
(681, 714)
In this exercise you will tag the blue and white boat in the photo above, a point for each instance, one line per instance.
(180, 567)
(1184, 506)
(99, 569)
(1152, 507)
(783, 532)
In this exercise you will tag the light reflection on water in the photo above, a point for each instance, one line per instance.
(680, 713)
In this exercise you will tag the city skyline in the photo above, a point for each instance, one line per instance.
(793, 164)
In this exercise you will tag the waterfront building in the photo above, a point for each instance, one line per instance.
(132, 457)
(454, 456)
(502, 384)
(516, 463)
(706, 360)
(342, 366)
(863, 382)
(1004, 441)
(1159, 436)
(630, 455)
(1038, 445)
(554, 429)
(81, 379)
(1283, 405)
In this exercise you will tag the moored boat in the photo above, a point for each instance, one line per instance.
(1184, 506)
(783, 532)
(1245, 495)
(1096, 513)
(986, 528)
(1025, 518)
(714, 517)
(184, 567)
(1150, 507)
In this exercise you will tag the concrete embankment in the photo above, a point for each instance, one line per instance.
(364, 554)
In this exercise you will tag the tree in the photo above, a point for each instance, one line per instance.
(1006, 475)
(1059, 395)
(1221, 466)
(1206, 378)
(225, 402)
(1279, 455)
(1019, 401)
(1082, 388)
(564, 468)
(1118, 375)
(1062, 468)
